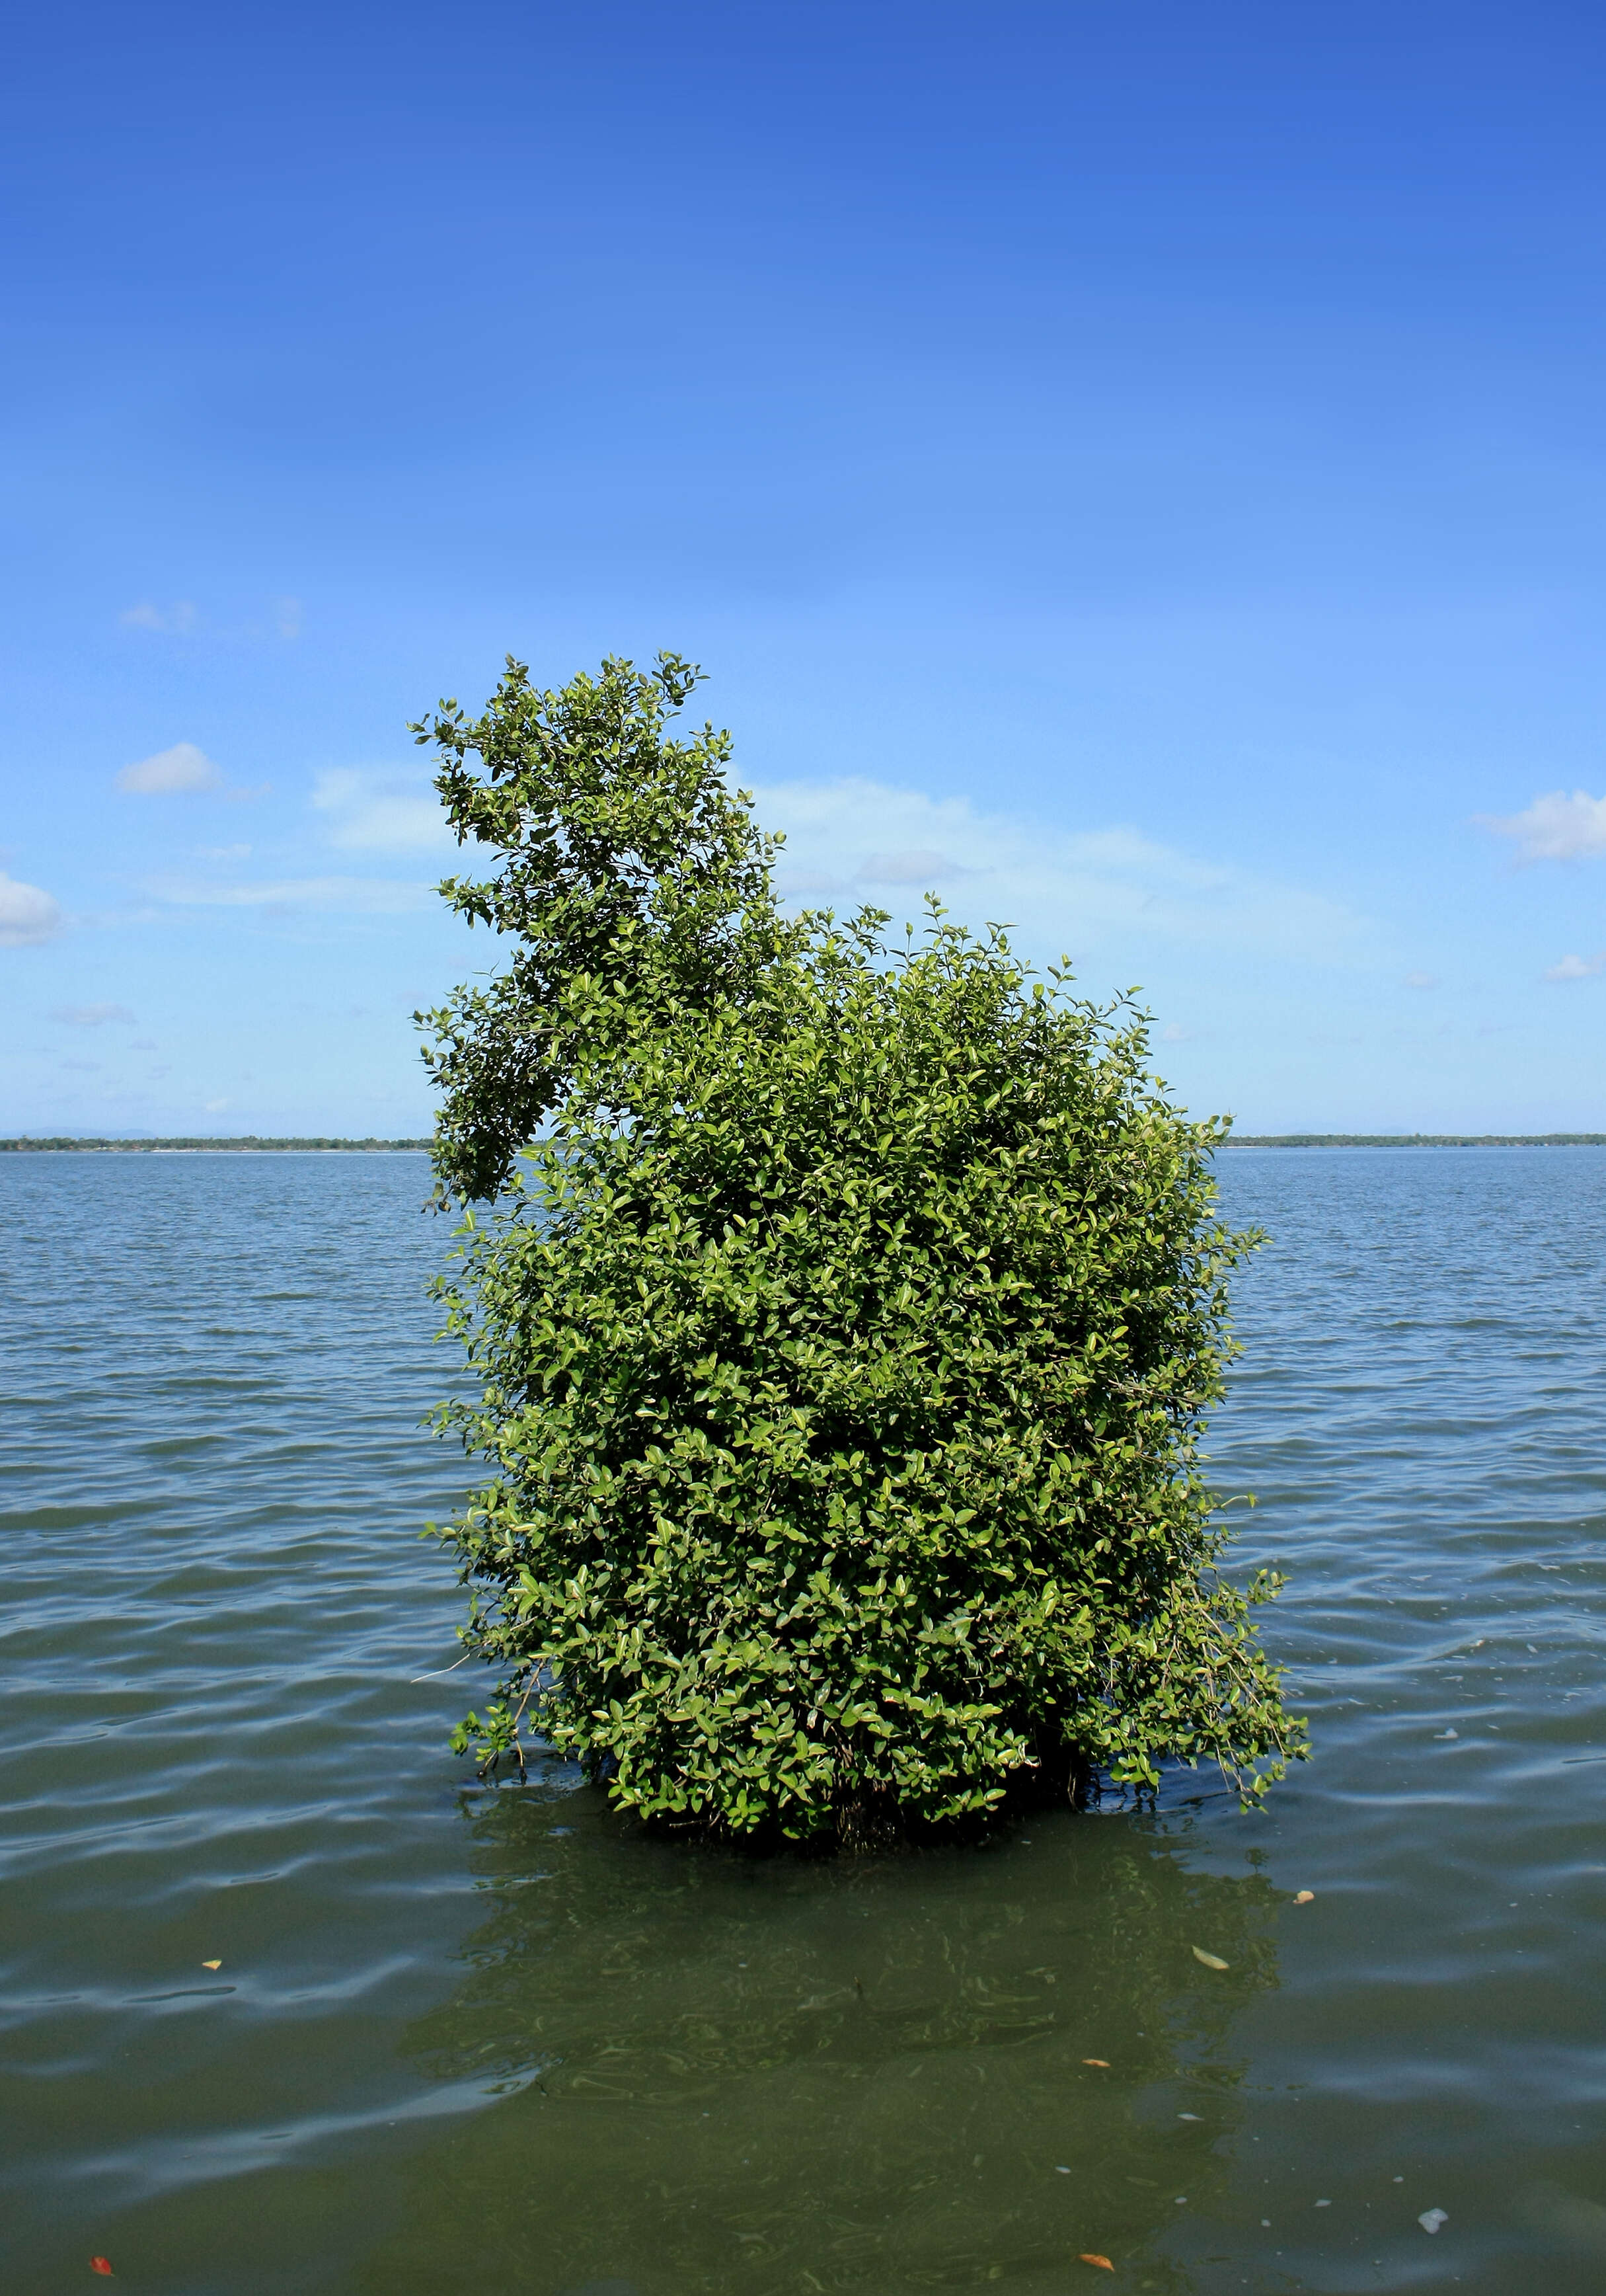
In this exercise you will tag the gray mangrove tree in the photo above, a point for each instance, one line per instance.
(842, 1308)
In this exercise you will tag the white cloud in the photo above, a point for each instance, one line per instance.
(1555, 827)
(1420, 981)
(381, 811)
(353, 896)
(27, 913)
(184, 767)
(1577, 968)
(917, 866)
(90, 1016)
(175, 622)
(287, 616)
(1076, 890)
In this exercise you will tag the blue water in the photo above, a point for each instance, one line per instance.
(473, 2040)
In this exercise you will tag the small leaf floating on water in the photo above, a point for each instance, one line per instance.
(211, 1965)
(1189, 2116)
(1103, 2263)
(1210, 1960)
(1447, 1733)
(100, 2264)
(1305, 1896)
(1103, 2063)
(1431, 2218)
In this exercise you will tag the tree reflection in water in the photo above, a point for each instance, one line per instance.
(732, 2073)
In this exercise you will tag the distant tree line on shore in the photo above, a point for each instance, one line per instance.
(1419, 1140)
(237, 1140)
(1243, 1140)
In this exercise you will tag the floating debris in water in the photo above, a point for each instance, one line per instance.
(1210, 1960)
(1431, 2218)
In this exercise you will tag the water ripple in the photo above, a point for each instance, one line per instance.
(476, 2041)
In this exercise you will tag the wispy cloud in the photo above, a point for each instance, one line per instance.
(1578, 968)
(28, 914)
(351, 896)
(90, 1016)
(182, 619)
(184, 767)
(181, 769)
(175, 621)
(1076, 890)
(1420, 981)
(917, 865)
(1554, 828)
(382, 810)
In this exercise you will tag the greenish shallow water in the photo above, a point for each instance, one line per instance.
(464, 2042)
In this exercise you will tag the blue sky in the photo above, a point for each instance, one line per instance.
(1145, 468)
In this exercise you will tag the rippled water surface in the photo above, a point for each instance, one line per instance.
(463, 2041)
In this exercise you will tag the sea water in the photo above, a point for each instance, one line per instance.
(464, 2039)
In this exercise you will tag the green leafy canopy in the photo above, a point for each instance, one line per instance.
(844, 1318)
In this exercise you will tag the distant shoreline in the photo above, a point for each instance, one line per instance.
(251, 1143)
(244, 1143)
(1420, 1140)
